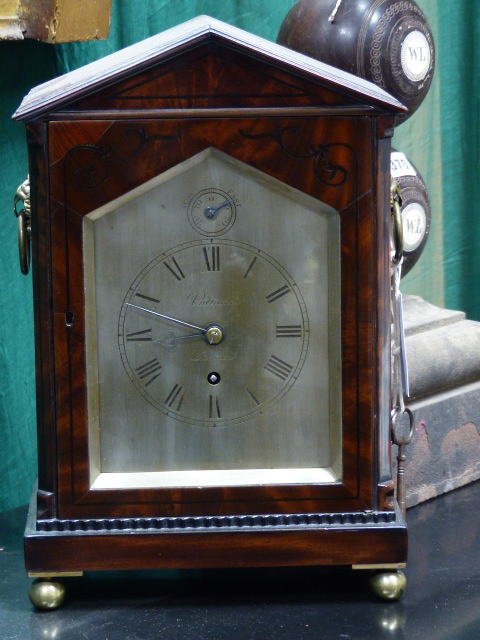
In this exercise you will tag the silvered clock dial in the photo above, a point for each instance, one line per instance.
(215, 331)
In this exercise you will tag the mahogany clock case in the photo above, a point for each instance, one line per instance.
(107, 129)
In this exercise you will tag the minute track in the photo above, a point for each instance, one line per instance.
(260, 345)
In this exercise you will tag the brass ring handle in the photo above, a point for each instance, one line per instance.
(24, 242)
(24, 226)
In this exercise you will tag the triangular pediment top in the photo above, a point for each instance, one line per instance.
(137, 58)
(159, 83)
(209, 79)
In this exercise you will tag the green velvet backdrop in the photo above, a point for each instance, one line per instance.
(441, 139)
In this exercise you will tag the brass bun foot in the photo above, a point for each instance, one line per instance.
(388, 585)
(47, 594)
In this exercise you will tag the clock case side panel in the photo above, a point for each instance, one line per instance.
(386, 484)
(279, 157)
(37, 141)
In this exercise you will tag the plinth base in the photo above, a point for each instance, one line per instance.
(444, 363)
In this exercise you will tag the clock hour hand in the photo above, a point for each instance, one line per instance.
(213, 333)
(168, 340)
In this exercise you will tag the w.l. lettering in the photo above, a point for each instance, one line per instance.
(417, 54)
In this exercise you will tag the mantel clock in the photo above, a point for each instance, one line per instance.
(210, 256)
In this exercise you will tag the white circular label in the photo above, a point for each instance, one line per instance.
(414, 225)
(415, 56)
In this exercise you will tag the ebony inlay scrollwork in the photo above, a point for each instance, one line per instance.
(327, 171)
(96, 160)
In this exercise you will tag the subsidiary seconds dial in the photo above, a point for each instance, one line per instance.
(213, 332)
(212, 211)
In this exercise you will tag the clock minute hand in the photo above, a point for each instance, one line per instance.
(162, 315)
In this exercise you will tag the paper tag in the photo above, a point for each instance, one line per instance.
(400, 166)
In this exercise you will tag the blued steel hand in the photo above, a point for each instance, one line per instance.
(211, 212)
